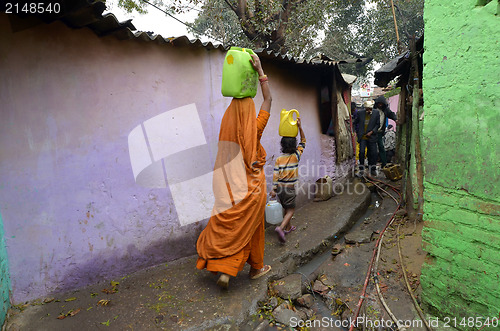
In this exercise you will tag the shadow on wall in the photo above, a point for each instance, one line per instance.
(117, 263)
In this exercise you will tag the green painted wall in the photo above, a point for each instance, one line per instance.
(4, 277)
(461, 139)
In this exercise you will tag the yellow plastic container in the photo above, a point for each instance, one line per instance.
(288, 125)
(393, 172)
(239, 78)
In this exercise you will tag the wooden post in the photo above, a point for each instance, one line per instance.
(353, 134)
(416, 169)
(396, 27)
(335, 120)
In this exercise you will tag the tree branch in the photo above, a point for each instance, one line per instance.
(243, 9)
(231, 6)
(279, 33)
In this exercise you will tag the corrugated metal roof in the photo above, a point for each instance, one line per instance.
(397, 66)
(89, 13)
(288, 58)
(392, 69)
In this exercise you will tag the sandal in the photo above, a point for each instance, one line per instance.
(293, 228)
(281, 234)
(261, 272)
(223, 281)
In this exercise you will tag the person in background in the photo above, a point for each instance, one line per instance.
(385, 113)
(354, 112)
(234, 234)
(367, 122)
(285, 178)
(390, 143)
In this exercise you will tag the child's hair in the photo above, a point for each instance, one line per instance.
(288, 145)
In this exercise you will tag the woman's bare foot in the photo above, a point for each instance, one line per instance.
(223, 281)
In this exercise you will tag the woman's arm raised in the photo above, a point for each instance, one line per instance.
(264, 84)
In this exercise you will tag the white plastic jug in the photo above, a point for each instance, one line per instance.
(274, 212)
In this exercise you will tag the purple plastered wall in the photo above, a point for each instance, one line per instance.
(73, 212)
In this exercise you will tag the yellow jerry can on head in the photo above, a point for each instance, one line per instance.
(288, 125)
(239, 78)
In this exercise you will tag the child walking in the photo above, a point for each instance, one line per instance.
(285, 177)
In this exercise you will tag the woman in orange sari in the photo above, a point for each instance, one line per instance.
(234, 234)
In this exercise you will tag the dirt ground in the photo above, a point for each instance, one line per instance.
(348, 271)
(344, 272)
(349, 268)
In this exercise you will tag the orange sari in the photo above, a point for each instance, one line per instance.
(234, 234)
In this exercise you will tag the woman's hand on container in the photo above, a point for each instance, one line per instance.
(299, 125)
(272, 193)
(255, 61)
(264, 85)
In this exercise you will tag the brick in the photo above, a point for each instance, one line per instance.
(482, 282)
(484, 207)
(435, 200)
(471, 257)
(433, 211)
(443, 253)
(465, 216)
(465, 233)
(462, 301)
(491, 224)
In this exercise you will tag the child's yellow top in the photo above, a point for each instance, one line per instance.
(286, 169)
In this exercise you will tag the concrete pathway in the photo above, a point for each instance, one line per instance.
(177, 296)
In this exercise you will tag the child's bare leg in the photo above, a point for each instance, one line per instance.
(285, 224)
